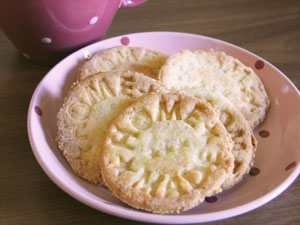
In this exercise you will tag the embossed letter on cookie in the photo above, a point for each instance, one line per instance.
(165, 153)
(87, 111)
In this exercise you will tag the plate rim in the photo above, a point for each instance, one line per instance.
(141, 215)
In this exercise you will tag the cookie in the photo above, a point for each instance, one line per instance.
(216, 72)
(124, 58)
(165, 153)
(245, 144)
(86, 112)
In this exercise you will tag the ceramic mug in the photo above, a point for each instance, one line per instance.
(45, 31)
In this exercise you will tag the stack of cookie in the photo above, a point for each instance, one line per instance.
(162, 132)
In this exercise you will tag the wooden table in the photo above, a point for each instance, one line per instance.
(269, 28)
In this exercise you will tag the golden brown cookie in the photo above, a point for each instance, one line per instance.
(86, 112)
(165, 153)
(216, 72)
(241, 133)
(124, 58)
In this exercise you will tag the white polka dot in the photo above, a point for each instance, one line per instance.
(125, 2)
(46, 40)
(86, 54)
(26, 55)
(285, 89)
(94, 20)
(276, 101)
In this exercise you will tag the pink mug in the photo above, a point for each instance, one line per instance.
(45, 31)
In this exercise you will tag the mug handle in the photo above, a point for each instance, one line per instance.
(131, 3)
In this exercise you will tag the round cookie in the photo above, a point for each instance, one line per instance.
(241, 133)
(165, 153)
(124, 58)
(86, 112)
(216, 72)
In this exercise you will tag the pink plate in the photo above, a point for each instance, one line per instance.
(278, 137)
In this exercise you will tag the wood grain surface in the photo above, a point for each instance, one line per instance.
(269, 28)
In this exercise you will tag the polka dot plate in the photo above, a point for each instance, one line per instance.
(277, 161)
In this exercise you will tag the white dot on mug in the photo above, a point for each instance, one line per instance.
(125, 2)
(285, 89)
(93, 20)
(26, 55)
(46, 40)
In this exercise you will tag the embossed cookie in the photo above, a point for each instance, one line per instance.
(86, 112)
(124, 58)
(216, 72)
(165, 153)
(241, 133)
